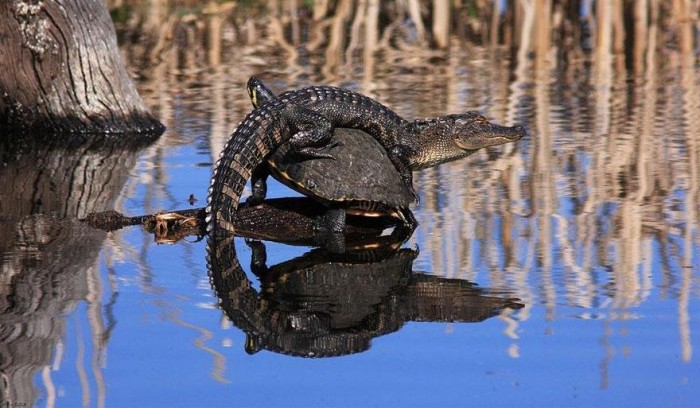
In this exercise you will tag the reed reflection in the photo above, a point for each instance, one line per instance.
(595, 210)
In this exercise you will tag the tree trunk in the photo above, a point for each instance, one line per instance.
(60, 70)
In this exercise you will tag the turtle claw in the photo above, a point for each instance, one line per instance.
(254, 200)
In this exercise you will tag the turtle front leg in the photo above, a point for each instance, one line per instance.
(333, 242)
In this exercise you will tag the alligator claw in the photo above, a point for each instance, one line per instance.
(416, 197)
(408, 180)
(318, 152)
(335, 143)
(314, 153)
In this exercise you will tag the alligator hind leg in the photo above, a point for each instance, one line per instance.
(314, 142)
(314, 131)
(313, 134)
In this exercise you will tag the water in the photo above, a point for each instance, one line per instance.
(591, 221)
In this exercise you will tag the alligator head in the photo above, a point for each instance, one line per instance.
(450, 137)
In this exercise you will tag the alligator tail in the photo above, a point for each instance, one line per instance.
(254, 138)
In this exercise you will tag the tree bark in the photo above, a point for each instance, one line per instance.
(60, 70)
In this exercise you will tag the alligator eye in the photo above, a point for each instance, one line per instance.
(421, 125)
(464, 122)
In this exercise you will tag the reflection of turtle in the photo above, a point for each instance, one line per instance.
(360, 179)
(324, 304)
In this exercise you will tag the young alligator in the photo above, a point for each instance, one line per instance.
(281, 120)
(369, 185)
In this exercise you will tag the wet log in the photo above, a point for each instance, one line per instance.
(61, 71)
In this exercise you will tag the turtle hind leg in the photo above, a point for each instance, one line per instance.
(258, 181)
(333, 242)
(332, 221)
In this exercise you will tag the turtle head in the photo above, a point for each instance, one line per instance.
(258, 92)
(451, 137)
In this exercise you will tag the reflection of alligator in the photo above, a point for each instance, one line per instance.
(324, 304)
(274, 123)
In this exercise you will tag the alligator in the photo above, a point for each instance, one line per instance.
(422, 144)
(343, 108)
(260, 133)
(306, 119)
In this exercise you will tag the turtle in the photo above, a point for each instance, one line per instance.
(359, 181)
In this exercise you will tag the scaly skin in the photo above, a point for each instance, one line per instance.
(440, 140)
(342, 108)
(429, 142)
(306, 119)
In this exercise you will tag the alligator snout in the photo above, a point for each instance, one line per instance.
(516, 132)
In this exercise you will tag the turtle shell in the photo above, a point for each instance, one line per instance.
(360, 175)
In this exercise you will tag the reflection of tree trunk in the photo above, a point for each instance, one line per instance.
(49, 255)
(61, 70)
(44, 276)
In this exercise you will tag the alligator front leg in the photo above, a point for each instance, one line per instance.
(399, 156)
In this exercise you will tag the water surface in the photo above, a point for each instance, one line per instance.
(591, 221)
